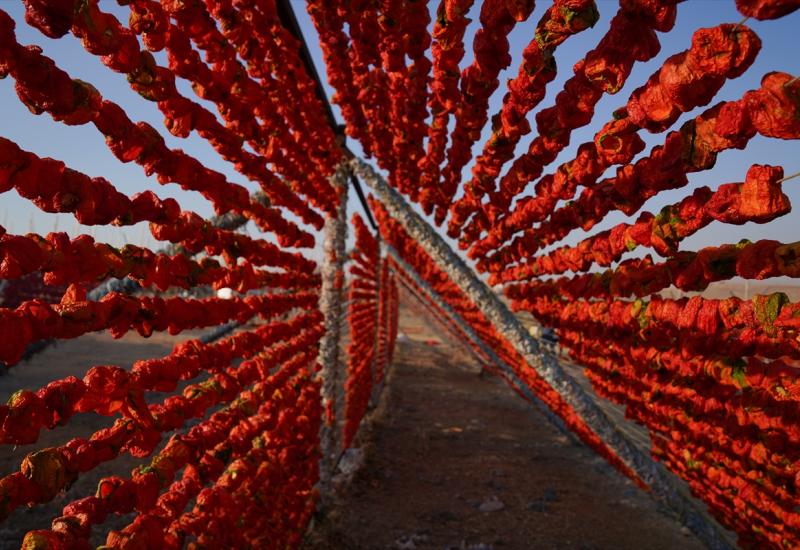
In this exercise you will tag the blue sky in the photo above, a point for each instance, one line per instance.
(83, 148)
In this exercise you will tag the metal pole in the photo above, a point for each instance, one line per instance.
(376, 346)
(330, 303)
(363, 200)
(289, 21)
(662, 485)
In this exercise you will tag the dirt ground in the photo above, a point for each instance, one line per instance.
(458, 461)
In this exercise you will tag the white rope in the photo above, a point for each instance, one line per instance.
(787, 178)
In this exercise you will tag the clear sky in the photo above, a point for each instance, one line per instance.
(83, 148)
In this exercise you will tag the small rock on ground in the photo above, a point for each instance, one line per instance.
(491, 504)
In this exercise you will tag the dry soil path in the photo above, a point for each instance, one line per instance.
(456, 461)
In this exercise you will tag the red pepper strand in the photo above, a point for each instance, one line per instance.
(363, 317)
(359, 384)
(239, 470)
(74, 316)
(366, 256)
(772, 497)
(44, 87)
(333, 42)
(755, 480)
(287, 476)
(375, 100)
(762, 326)
(417, 40)
(294, 470)
(300, 473)
(688, 271)
(772, 380)
(389, 323)
(447, 51)
(80, 455)
(274, 139)
(404, 31)
(767, 9)
(747, 497)
(694, 148)
(758, 199)
(196, 234)
(730, 509)
(361, 274)
(670, 409)
(562, 20)
(110, 390)
(249, 39)
(382, 336)
(478, 82)
(186, 62)
(393, 52)
(373, 83)
(724, 406)
(366, 243)
(82, 260)
(685, 81)
(292, 76)
(775, 379)
(103, 35)
(605, 69)
(55, 188)
(721, 499)
(120, 496)
(218, 84)
(394, 317)
(292, 82)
